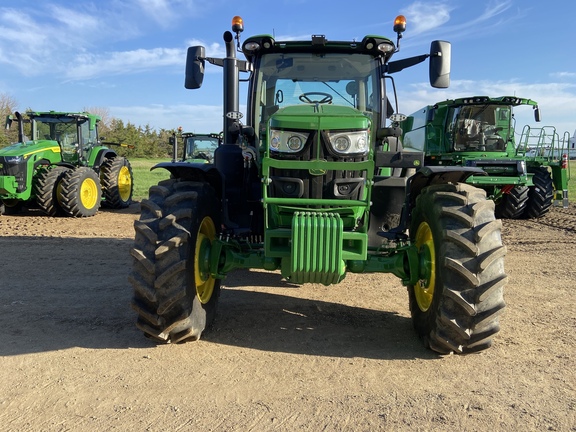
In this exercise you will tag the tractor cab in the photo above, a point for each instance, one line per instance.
(75, 134)
(199, 147)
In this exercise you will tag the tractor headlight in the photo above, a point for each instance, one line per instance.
(13, 159)
(349, 143)
(287, 141)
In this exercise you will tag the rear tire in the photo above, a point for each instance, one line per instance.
(456, 304)
(117, 182)
(513, 204)
(46, 190)
(541, 195)
(174, 294)
(80, 192)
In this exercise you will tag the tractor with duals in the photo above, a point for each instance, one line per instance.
(307, 186)
(62, 167)
(525, 175)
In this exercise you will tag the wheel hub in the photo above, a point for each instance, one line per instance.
(424, 288)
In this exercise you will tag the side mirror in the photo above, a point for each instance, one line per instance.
(194, 67)
(537, 114)
(440, 52)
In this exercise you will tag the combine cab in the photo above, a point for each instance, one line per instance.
(308, 185)
(523, 177)
(62, 167)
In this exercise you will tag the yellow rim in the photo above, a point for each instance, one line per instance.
(89, 193)
(124, 183)
(424, 288)
(203, 280)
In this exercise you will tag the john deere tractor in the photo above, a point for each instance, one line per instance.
(196, 147)
(525, 176)
(309, 185)
(62, 167)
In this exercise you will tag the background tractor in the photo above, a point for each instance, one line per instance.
(62, 167)
(197, 148)
(524, 176)
(307, 186)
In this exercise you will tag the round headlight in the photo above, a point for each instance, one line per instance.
(342, 143)
(361, 144)
(275, 142)
(295, 143)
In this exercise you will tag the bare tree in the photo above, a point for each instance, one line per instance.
(7, 106)
(105, 124)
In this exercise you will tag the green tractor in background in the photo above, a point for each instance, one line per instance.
(307, 186)
(62, 167)
(524, 177)
(197, 148)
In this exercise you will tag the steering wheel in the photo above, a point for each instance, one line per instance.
(305, 97)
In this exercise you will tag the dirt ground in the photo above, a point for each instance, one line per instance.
(281, 357)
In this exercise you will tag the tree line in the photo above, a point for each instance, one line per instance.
(145, 142)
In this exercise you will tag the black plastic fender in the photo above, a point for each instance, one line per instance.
(430, 175)
(196, 172)
(103, 154)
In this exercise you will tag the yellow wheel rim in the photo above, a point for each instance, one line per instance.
(89, 193)
(124, 183)
(424, 288)
(203, 280)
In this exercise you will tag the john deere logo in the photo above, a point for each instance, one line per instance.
(416, 163)
(1, 166)
(317, 172)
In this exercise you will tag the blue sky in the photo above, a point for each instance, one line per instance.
(129, 55)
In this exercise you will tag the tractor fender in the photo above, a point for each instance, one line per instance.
(430, 175)
(101, 156)
(46, 163)
(196, 172)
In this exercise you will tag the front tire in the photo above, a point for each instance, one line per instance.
(10, 206)
(513, 204)
(541, 195)
(47, 188)
(174, 294)
(455, 306)
(117, 182)
(80, 192)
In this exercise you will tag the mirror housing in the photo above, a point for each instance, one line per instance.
(537, 114)
(194, 67)
(440, 53)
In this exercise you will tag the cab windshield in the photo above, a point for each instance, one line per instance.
(480, 127)
(307, 78)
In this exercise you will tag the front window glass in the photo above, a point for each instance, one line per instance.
(308, 78)
(200, 147)
(480, 127)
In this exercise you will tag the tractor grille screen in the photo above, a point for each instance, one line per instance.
(17, 170)
(330, 184)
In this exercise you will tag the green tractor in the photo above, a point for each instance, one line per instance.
(198, 148)
(524, 177)
(62, 168)
(307, 187)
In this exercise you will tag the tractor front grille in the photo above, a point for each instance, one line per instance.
(329, 184)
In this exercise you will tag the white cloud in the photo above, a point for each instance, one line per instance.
(425, 16)
(192, 118)
(75, 20)
(563, 75)
(167, 12)
(86, 66)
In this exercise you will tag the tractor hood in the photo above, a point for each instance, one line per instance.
(319, 117)
(27, 148)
